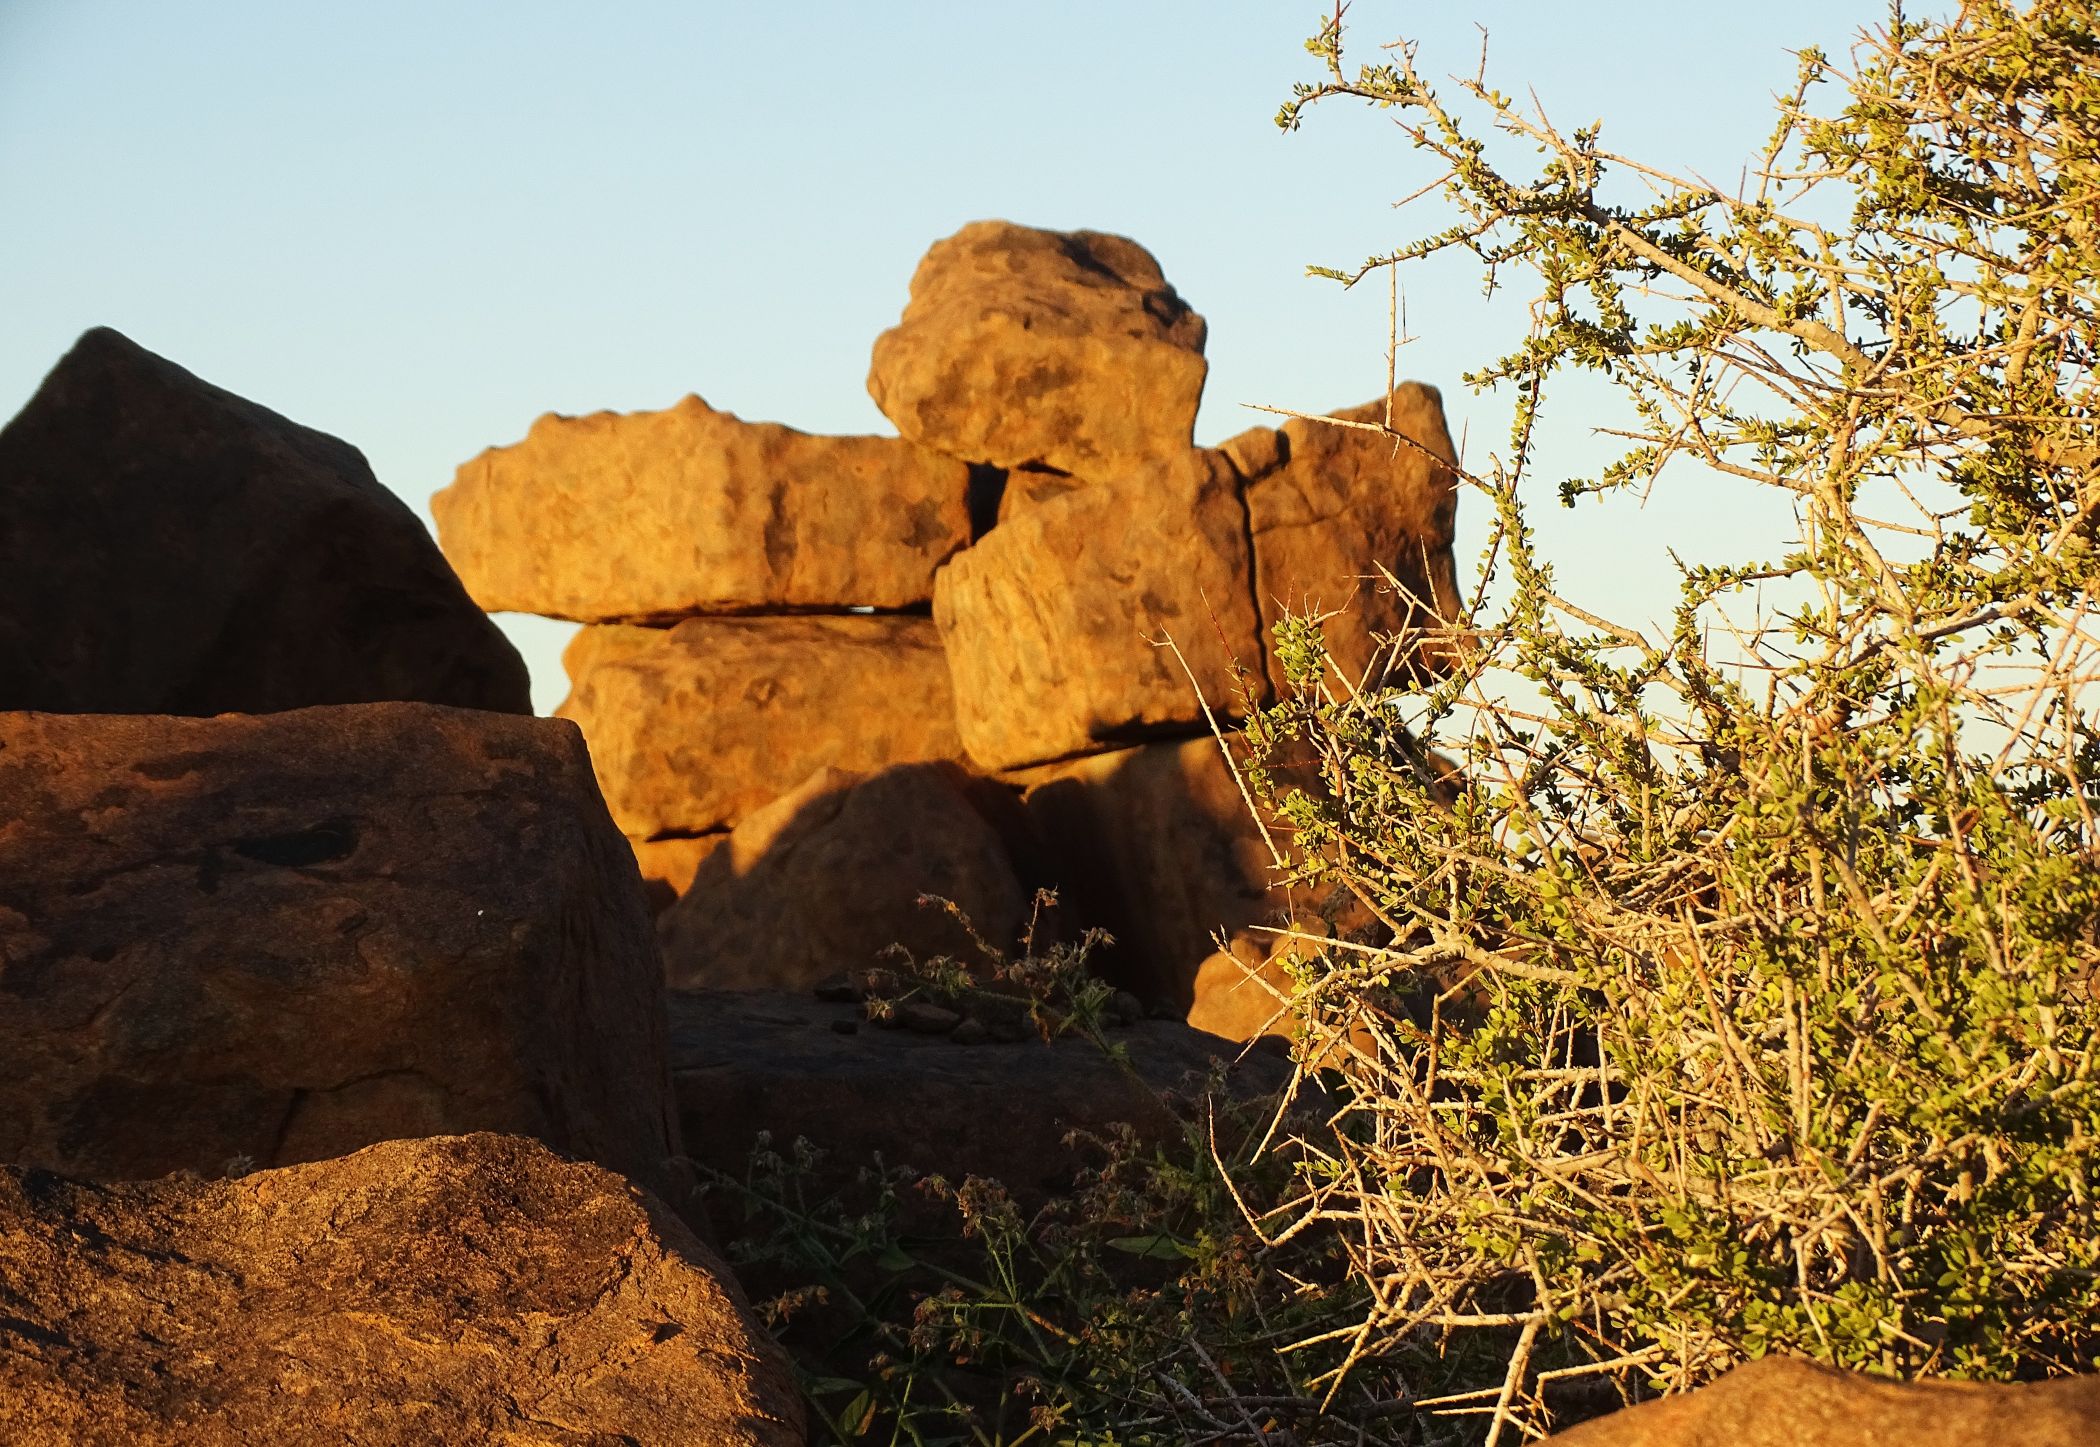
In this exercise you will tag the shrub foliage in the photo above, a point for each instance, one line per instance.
(1743, 1000)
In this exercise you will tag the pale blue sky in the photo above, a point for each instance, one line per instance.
(419, 225)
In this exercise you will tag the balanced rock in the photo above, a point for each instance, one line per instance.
(832, 875)
(1786, 1402)
(654, 516)
(1064, 348)
(1055, 622)
(168, 547)
(1330, 506)
(474, 1288)
(1159, 845)
(276, 938)
(691, 728)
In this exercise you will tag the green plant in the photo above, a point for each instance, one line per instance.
(1742, 1000)
(1140, 1308)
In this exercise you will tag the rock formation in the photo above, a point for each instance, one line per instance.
(657, 516)
(168, 547)
(472, 1288)
(277, 938)
(1046, 384)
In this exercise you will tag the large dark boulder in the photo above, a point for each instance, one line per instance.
(466, 1289)
(168, 547)
(255, 940)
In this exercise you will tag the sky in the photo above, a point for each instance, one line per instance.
(418, 224)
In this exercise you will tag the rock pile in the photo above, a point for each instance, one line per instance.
(770, 613)
(282, 876)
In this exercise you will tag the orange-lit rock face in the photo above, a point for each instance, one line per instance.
(691, 728)
(168, 547)
(277, 938)
(473, 1288)
(1053, 621)
(1328, 507)
(653, 516)
(1784, 1402)
(1021, 346)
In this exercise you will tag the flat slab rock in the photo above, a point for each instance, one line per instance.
(474, 1288)
(694, 727)
(751, 1060)
(831, 876)
(168, 547)
(653, 516)
(1785, 1402)
(256, 940)
(1062, 348)
(1053, 622)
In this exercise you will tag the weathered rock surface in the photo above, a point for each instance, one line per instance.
(473, 1288)
(1157, 844)
(691, 728)
(277, 938)
(829, 876)
(1052, 621)
(654, 516)
(168, 547)
(1243, 991)
(1784, 1402)
(1066, 348)
(747, 1061)
(1330, 506)
(668, 865)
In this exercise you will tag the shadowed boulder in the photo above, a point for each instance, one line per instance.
(829, 877)
(168, 547)
(276, 938)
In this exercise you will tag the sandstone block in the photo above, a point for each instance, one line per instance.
(829, 877)
(472, 1288)
(1785, 1402)
(168, 547)
(655, 516)
(1052, 621)
(1065, 348)
(276, 938)
(1333, 506)
(691, 728)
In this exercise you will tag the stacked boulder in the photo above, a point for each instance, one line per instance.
(820, 673)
